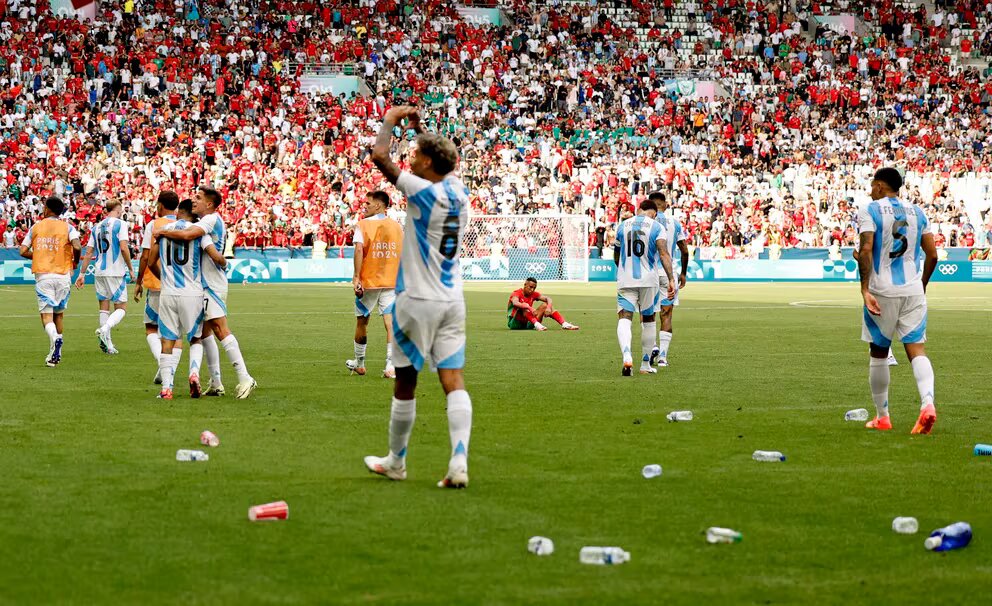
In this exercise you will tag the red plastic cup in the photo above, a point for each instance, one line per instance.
(207, 438)
(270, 511)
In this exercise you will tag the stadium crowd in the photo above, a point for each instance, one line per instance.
(566, 109)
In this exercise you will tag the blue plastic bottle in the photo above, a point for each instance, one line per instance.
(955, 536)
(983, 450)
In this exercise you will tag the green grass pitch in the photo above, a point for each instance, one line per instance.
(95, 510)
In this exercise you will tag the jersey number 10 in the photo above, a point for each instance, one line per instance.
(177, 252)
(635, 245)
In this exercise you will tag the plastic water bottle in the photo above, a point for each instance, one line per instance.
(542, 546)
(905, 525)
(603, 556)
(768, 456)
(955, 536)
(858, 414)
(722, 535)
(651, 471)
(983, 450)
(191, 455)
(679, 415)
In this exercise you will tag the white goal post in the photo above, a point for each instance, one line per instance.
(514, 247)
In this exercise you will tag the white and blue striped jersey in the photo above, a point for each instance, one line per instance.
(897, 255)
(107, 238)
(436, 215)
(182, 266)
(639, 256)
(214, 277)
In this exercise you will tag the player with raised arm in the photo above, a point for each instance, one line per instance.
(378, 241)
(429, 316)
(675, 236)
(165, 213)
(108, 248)
(53, 247)
(181, 303)
(639, 250)
(205, 205)
(896, 259)
(527, 307)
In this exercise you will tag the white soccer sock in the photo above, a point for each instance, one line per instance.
(664, 344)
(923, 371)
(212, 354)
(878, 380)
(52, 332)
(195, 358)
(623, 336)
(360, 351)
(154, 344)
(234, 355)
(402, 414)
(167, 368)
(647, 341)
(389, 354)
(104, 315)
(115, 319)
(459, 424)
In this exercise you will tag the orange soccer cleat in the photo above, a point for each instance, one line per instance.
(880, 423)
(928, 418)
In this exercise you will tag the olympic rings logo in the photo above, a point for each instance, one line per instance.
(948, 270)
(536, 267)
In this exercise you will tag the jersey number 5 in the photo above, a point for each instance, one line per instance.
(635, 245)
(178, 252)
(900, 244)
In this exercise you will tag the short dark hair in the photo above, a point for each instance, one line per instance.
(186, 206)
(441, 151)
(657, 196)
(55, 204)
(380, 196)
(890, 177)
(112, 205)
(531, 279)
(648, 205)
(213, 196)
(168, 199)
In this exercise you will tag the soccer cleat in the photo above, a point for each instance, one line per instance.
(194, 386)
(214, 389)
(892, 360)
(389, 372)
(355, 367)
(569, 326)
(165, 394)
(928, 418)
(379, 465)
(662, 362)
(628, 369)
(158, 378)
(880, 423)
(244, 388)
(54, 354)
(654, 355)
(112, 350)
(648, 370)
(457, 477)
(105, 343)
(539, 327)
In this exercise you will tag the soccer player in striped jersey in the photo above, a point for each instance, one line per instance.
(168, 201)
(181, 303)
(429, 315)
(53, 247)
(108, 247)
(896, 259)
(892, 361)
(640, 249)
(206, 206)
(675, 237)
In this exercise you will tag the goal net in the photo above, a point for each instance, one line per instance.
(515, 247)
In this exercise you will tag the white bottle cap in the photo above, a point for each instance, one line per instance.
(933, 543)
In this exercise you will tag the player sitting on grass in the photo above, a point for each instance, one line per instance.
(527, 307)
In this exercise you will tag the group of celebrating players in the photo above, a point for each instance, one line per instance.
(417, 288)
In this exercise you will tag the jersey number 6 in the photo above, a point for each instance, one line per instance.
(449, 236)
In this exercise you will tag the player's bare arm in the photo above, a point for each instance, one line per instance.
(142, 268)
(356, 281)
(683, 276)
(864, 258)
(215, 256)
(76, 250)
(83, 264)
(666, 262)
(26, 252)
(126, 255)
(183, 235)
(153, 260)
(930, 260)
(380, 151)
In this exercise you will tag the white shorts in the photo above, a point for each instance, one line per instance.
(429, 330)
(111, 288)
(664, 291)
(53, 293)
(151, 307)
(180, 317)
(643, 299)
(383, 298)
(904, 318)
(216, 304)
